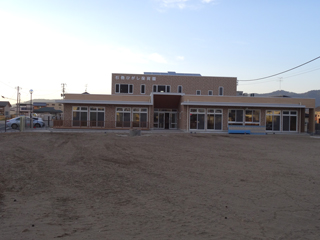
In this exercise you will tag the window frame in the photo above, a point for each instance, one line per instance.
(274, 114)
(214, 112)
(144, 89)
(118, 85)
(290, 115)
(252, 123)
(123, 110)
(235, 122)
(221, 91)
(197, 111)
(80, 111)
(140, 111)
(155, 88)
(97, 111)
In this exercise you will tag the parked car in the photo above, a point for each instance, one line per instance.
(14, 123)
(39, 119)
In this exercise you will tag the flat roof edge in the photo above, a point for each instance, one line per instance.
(232, 104)
(103, 102)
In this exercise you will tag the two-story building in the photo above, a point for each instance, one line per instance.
(5, 108)
(189, 102)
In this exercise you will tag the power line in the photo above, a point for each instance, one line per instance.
(301, 73)
(6, 84)
(280, 72)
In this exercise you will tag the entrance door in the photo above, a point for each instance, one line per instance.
(173, 120)
(161, 121)
(165, 119)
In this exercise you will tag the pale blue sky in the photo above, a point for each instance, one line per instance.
(46, 43)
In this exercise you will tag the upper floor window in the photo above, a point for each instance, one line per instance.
(198, 92)
(210, 92)
(143, 89)
(161, 88)
(179, 89)
(124, 88)
(220, 91)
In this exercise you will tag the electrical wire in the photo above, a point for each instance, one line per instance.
(301, 73)
(257, 79)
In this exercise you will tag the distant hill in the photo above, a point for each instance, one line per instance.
(41, 100)
(311, 94)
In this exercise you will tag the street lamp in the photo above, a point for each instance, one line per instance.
(31, 107)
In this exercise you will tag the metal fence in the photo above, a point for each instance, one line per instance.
(100, 124)
(317, 128)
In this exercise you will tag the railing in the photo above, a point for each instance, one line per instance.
(100, 124)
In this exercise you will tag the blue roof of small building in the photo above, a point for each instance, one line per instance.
(173, 74)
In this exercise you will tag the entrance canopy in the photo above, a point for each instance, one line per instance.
(166, 101)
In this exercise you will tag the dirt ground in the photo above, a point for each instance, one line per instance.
(159, 186)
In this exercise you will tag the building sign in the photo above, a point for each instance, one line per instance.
(135, 78)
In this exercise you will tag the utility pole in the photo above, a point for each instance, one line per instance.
(18, 101)
(63, 89)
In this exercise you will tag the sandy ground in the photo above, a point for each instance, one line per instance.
(159, 186)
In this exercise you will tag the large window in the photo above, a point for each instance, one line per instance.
(124, 88)
(289, 121)
(140, 117)
(197, 118)
(252, 117)
(214, 119)
(96, 116)
(235, 117)
(123, 117)
(273, 120)
(80, 116)
(161, 88)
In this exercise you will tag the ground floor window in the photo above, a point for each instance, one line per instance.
(286, 120)
(205, 119)
(139, 117)
(252, 117)
(96, 116)
(273, 120)
(289, 121)
(214, 119)
(80, 116)
(235, 117)
(123, 117)
(244, 117)
(197, 118)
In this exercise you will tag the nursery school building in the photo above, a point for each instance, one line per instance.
(188, 102)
